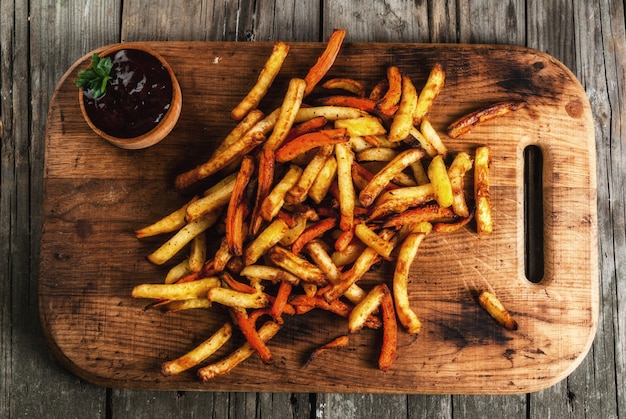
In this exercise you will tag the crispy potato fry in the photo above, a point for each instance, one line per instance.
(298, 266)
(371, 239)
(250, 120)
(438, 176)
(424, 213)
(403, 118)
(214, 198)
(197, 254)
(288, 112)
(189, 304)
(389, 347)
(416, 139)
(207, 373)
(361, 126)
(467, 122)
(456, 172)
(200, 352)
(389, 102)
(186, 234)
(294, 232)
(325, 61)
(331, 113)
(376, 154)
(347, 196)
(401, 199)
(484, 221)
(264, 241)
(324, 179)
(299, 192)
(362, 103)
(275, 200)
(382, 178)
(266, 78)
(238, 299)
(420, 175)
(177, 272)
(269, 273)
(347, 84)
(430, 91)
(180, 291)
(433, 137)
(316, 249)
(495, 308)
(366, 308)
(406, 256)
(171, 222)
(451, 227)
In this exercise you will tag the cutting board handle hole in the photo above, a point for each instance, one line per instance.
(533, 214)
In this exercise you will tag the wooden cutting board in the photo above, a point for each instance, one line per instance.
(96, 195)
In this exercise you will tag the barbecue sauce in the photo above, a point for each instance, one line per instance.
(137, 97)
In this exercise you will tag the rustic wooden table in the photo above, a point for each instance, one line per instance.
(40, 40)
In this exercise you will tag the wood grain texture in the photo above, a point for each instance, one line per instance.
(96, 194)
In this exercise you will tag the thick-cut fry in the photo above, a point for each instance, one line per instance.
(456, 172)
(440, 180)
(347, 84)
(200, 352)
(182, 237)
(383, 177)
(496, 309)
(269, 273)
(347, 196)
(274, 201)
(288, 112)
(298, 266)
(366, 308)
(264, 241)
(371, 239)
(169, 223)
(197, 254)
(467, 122)
(433, 137)
(399, 200)
(418, 139)
(430, 91)
(324, 179)
(361, 126)
(406, 256)
(484, 221)
(231, 298)
(310, 141)
(325, 61)
(298, 193)
(266, 332)
(181, 305)
(389, 347)
(180, 291)
(420, 175)
(264, 81)
(389, 102)
(403, 118)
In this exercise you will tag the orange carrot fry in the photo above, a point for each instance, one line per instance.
(325, 61)
(365, 104)
(236, 285)
(305, 127)
(309, 141)
(265, 179)
(390, 332)
(241, 182)
(312, 232)
(248, 329)
(278, 306)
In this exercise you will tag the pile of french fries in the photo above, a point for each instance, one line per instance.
(310, 198)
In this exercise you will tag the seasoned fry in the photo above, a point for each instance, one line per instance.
(388, 349)
(424, 213)
(403, 118)
(382, 178)
(264, 241)
(298, 266)
(197, 254)
(456, 172)
(331, 113)
(265, 180)
(366, 308)
(371, 239)
(224, 366)
(390, 100)
(362, 103)
(401, 199)
(299, 192)
(467, 122)
(325, 61)
(434, 84)
(234, 212)
(416, 138)
(169, 223)
(266, 78)
(316, 250)
(238, 299)
(276, 198)
(347, 196)
(440, 180)
(288, 111)
(311, 232)
(269, 273)
(484, 222)
(214, 198)
(200, 352)
(177, 272)
(361, 126)
(406, 256)
(180, 291)
(433, 137)
(495, 308)
(250, 120)
(324, 179)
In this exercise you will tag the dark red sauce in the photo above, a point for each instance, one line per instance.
(137, 97)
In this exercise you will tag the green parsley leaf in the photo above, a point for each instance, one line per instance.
(96, 77)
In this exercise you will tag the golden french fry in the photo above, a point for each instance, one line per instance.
(438, 175)
(332, 113)
(214, 198)
(403, 118)
(274, 201)
(484, 221)
(371, 239)
(299, 192)
(430, 91)
(316, 250)
(298, 266)
(171, 222)
(347, 196)
(231, 298)
(399, 200)
(389, 102)
(408, 251)
(420, 175)
(171, 247)
(456, 172)
(416, 138)
(324, 179)
(467, 122)
(376, 154)
(383, 177)
(496, 309)
(264, 241)
(177, 272)
(266, 78)
(365, 308)
(288, 112)
(433, 137)
(189, 304)
(266, 332)
(250, 120)
(361, 126)
(179, 291)
(197, 253)
(269, 273)
(200, 352)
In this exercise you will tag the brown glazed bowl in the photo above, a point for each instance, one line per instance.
(132, 118)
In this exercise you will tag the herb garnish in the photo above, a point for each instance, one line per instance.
(96, 77)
